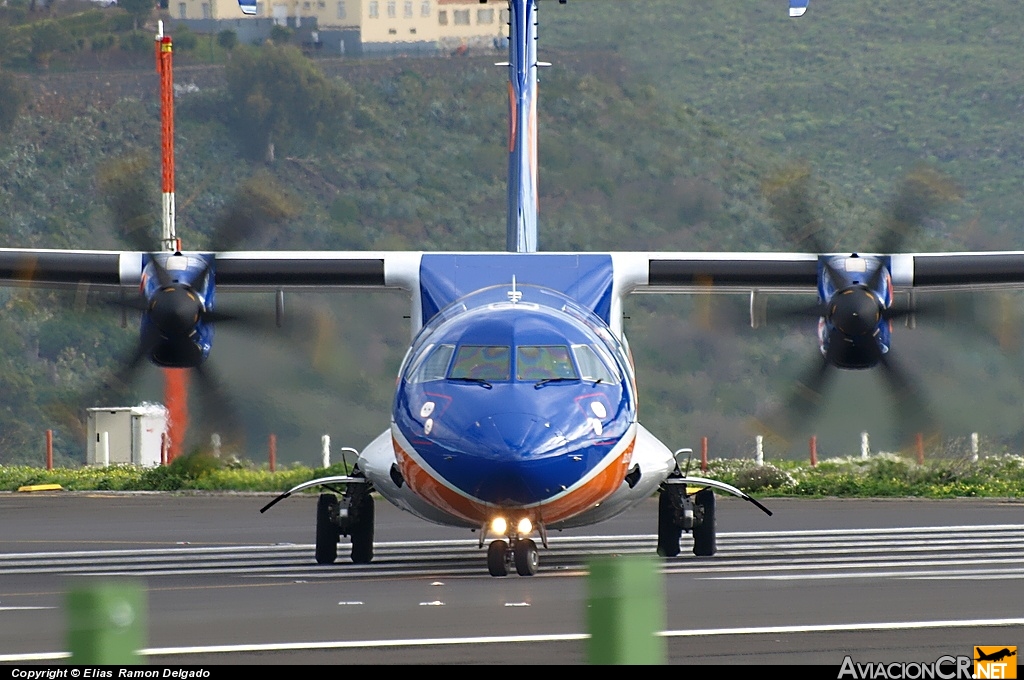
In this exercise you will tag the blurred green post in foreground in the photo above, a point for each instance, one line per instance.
(626, 611)
(107, 623)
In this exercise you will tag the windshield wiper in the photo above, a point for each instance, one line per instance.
(476, 381)
(547, 381)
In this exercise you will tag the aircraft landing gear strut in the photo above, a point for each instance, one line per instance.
(518, 553)
(352, 516)
(679, 512)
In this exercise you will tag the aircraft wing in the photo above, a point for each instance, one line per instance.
(677, 272)
(722, 272)
(291, 270)
(252, 271)
(798, 272)
(63, 268)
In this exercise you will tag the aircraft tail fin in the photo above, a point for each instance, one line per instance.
(249, 7)
(796, 7)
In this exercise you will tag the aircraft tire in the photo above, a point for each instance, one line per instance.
(704, 543)
(497, 563)
(362, 533)
(669, 532)
(326, 532)
(526, 557)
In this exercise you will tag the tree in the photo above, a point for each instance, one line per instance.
(47, 38)
(138, 9)
(12, 98)
(227, 39)
(281, 35)
(278, 96)
(184, 38)
(14, 45)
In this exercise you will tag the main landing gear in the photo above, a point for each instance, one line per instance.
(518, 553)
(679, 512)
(352, 516)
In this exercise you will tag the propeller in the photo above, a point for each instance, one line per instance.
(177, 319)
(855, 307)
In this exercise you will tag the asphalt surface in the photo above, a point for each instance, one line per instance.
(877, 580)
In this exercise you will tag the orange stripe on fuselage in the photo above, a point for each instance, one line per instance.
(593, 491)
(512, 107)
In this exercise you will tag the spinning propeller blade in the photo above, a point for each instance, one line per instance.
(176, 308)
(851, 318)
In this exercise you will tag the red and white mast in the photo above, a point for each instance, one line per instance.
(164, 53)
(175, 379)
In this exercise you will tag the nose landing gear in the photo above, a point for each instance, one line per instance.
(518, 553)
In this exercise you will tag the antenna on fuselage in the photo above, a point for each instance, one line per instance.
(514, 295)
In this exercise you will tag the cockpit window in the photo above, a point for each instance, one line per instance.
(591, 365)
(544, 362)
(435, 364)
(481, 362)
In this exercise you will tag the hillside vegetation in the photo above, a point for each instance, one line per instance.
(659, 123)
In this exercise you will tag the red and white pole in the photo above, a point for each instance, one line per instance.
(175, 380)
(164, 67)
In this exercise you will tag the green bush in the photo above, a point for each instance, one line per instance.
(184, 39)
(182, 473)
(101, 43)
(136, 41)
(764, 477)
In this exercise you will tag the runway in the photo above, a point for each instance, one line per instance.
(880, 581)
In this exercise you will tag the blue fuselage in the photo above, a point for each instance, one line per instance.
(513, 398)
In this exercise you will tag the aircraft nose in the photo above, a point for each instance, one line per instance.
(516, 448)
(515, 435)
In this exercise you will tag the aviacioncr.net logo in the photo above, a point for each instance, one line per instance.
(943, 668)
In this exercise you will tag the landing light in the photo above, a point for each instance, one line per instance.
(499, 526)
(524, 527)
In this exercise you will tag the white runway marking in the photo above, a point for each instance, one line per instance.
(520, 639)
(933, 553)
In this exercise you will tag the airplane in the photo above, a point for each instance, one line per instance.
(515, 410)
(994, 656)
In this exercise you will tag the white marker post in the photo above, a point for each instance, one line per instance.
(325, 451)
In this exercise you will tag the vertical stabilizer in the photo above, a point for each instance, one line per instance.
(521, 231)
(797, 7)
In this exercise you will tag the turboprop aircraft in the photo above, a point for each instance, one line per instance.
(515, 410)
